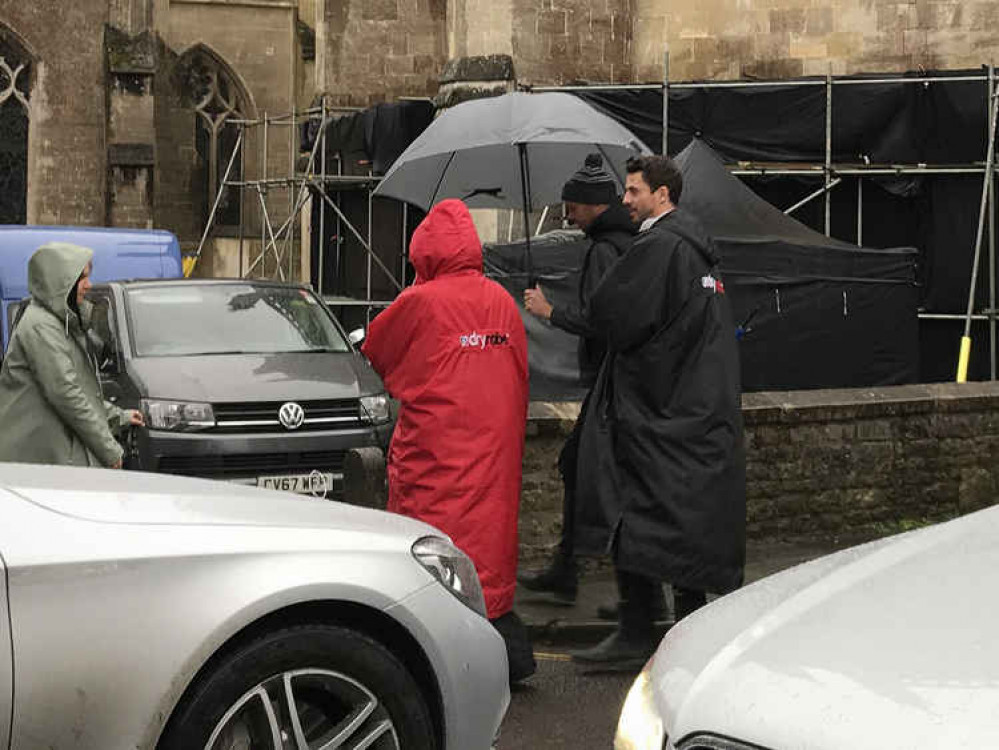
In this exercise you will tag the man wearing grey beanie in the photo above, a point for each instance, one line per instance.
(591, 203)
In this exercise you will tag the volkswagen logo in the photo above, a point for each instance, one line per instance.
(291, 415)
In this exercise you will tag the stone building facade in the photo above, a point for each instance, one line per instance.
(114, 112)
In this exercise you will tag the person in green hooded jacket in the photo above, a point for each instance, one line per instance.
(52, 409)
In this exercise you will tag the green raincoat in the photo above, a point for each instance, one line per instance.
(52, 410)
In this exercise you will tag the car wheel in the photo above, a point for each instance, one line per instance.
(304, 688)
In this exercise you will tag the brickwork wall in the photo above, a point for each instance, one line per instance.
(827, 464)
(66, 157)
(377, 50)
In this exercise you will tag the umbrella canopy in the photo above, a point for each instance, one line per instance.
(510, 151)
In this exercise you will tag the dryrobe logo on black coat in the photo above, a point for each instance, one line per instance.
(482, 341)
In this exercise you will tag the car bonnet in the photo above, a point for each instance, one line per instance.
(125, 497)
(890, 644)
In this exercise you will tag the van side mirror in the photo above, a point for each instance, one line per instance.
(357, 336)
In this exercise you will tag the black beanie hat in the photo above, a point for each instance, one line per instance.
(591, 184)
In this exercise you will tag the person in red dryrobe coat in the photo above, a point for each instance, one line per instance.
(453, 350)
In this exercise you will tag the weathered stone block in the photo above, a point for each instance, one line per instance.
(380, 10)
(787, 20)
(551, 22)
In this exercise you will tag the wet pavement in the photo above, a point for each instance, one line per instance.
(560, 707)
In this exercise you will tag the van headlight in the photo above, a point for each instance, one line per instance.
(453, 569)
(640, 726)
(375, 409)
(179, 416)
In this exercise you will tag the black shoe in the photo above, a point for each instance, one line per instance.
(519, 652)
(619, 650)
(558, 579)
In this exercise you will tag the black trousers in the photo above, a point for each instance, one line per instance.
(638, 592)
(567, 465)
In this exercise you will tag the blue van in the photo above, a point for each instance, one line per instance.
(118, 254)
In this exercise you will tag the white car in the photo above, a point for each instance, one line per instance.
(890, 645)
(147, 611)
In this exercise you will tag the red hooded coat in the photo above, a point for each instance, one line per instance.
(452, 349)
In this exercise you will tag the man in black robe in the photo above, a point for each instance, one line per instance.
(661, 477)
(591, 203)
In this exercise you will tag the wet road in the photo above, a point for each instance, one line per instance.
(560, 707)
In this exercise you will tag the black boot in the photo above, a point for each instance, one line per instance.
(519, 652)
(686, 601)
(559, 579)
(660, 611)
(634, 641)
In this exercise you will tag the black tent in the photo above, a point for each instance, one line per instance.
(822, 313)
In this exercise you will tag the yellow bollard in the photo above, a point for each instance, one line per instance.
(962, 361)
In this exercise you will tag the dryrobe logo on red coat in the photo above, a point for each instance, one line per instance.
(482, 341)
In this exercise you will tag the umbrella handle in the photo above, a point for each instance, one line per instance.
(525, 191)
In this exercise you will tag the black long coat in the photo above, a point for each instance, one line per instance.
(661, 475)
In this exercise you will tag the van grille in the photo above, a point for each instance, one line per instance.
(254, 417)
(253, 464)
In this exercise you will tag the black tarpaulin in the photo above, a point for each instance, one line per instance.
(823, 313)
(370, 140)
(938, 122)
(390, 128)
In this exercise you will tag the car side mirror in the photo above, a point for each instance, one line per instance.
(357, 336)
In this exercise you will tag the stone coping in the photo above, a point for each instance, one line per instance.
(821, 405)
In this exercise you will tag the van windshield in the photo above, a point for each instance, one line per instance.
(198, 319)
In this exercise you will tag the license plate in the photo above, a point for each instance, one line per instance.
(318, 483)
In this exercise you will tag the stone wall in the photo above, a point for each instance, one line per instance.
(370, 51)
(573, 40)
(827, 464)
(66, 156)
(780, 38)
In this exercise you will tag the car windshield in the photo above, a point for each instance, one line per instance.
(197, 319)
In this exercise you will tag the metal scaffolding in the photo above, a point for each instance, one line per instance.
(832, 173)
(318, 181)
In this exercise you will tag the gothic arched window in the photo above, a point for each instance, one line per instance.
(15, 87)
(213, 94)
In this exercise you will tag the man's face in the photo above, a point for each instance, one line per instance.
(640, 200)
(84, 284)
(583, 214)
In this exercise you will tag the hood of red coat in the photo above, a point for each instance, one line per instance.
(445, 242)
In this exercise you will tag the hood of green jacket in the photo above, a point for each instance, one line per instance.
(52, 273)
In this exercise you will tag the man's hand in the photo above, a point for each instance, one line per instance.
(536, 304)
(135, 418)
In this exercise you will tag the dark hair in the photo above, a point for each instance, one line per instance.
(658, 171)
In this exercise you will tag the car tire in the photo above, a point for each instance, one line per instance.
(340, 683)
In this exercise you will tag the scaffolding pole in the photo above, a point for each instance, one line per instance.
(828, 166)
(965, 352)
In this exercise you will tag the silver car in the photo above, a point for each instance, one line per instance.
(888, 646)
(147, 611)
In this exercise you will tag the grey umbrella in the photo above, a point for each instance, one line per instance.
(510, 151)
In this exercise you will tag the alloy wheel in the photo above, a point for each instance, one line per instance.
(306, 709)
